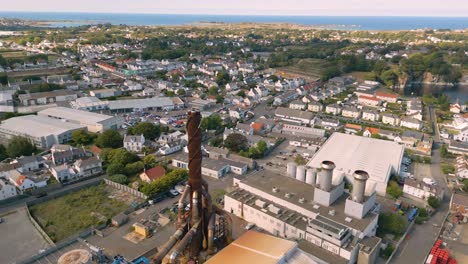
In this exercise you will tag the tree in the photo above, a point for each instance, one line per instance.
(181, 92)
(241, 93)
(300, 160)
(119, 178)
(394, 190)
(222, 78)
(149, 130)
(391, 223)
(134, 168)
(82, 137)
(236, 142)
(3, 152)
(20, 146)
(465, 185)
(110, 139)
(165, 183)
(433, 201)
(212, 122)
(121, 156)
(149, 161)
(115, 168)
(444, 151)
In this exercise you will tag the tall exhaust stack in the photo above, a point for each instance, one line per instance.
(359, 185)
(326, 175)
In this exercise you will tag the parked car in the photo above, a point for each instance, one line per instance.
(159, 198)
(249, 226)
(180, 188)
(174, 192)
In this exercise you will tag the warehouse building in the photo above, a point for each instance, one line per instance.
(94, 122)
(155, 103)
(41, 130)
(334, 226)
(380, 158)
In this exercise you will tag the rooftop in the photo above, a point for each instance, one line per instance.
(141, 103)
(43, 126)
(74, 114)
(351, 153)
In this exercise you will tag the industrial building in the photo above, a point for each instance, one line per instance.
(94, 122)
(334, 226)
(380, 158)
(43, 98)
(155, 103)
(41, 130)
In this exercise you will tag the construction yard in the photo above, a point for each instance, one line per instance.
(72, 213)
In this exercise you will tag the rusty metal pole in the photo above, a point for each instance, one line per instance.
(194, 148)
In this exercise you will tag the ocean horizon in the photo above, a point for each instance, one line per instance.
(68, 19)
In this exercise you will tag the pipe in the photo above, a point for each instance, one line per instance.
(195, 208)
(181, 213)
(211, 226)
(327, 175)
(168, 245)
(180, 247)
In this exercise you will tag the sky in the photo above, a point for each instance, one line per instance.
(249, 7)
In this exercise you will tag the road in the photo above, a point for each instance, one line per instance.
(22, 202)
(418, 245)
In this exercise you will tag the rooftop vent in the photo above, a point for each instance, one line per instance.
(331, 212)
(316, 206)
(302, 200)
(288, 195)
(348, 219)
(275, 189)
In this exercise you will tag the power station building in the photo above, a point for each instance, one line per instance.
(313, 207)
(380, 158)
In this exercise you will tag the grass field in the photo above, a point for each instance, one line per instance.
(306, 68)
(70, 214)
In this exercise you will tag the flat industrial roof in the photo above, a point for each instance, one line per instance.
(74, 114)
(141, 103)
(350, 153)
(254, 247)
(265, 181)
(38, 126)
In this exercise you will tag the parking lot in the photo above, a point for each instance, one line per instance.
(19, 239)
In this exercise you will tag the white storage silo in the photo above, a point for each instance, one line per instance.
(311, 176)
(301, 173)
(291, 170)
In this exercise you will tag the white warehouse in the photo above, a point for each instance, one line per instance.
(94, 122)
(41, 130)
(380, 158)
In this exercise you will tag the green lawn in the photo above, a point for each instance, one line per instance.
(70, 214)
(311, 68)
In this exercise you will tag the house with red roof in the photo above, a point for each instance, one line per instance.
(153, 174)
(369, 131)
(388, 97)
(20, 181)
(368, 100)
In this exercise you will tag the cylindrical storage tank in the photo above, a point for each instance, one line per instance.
(291, 169)
(301, 173)
(326, 175)
(359, 185)
(77, 256)
(311, 176)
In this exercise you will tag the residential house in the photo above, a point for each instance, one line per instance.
(297, 105)
(368, 100)
(410, 122)
(369, 131)
(352, 128)
(329, 124)
(153, 174)
(88, 167)
(351, 112)
(368, 86)
(63, 173)
(456, 147)
(21, 182)
(29, 163)
(285, 98)
(61, 154)
(237, 113)
(134, 143)
(7, 190)
(210, 167)
(171, 147)
(387, 97)
(391, 135)
(462, 135)
(370, 115)
(333, 109)
(411, 138)
(422, 190)
(244, 129)
(461, 167)
(258, 128)
(391, 119)
(315, 106)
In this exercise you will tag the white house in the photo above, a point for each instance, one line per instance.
(370, 115)
(351, 112)
(462, 135)
(63, 173)
(410, 122)
(134, 143)
(315, 106)
(297, 105)
(391, 119)
(171, 147)
(461, 167)
(88, 167)
(7, 190)
(333, 109)
(20, 181)
(368, 100)
(422, 190)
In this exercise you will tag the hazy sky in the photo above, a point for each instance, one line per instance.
(260, 7)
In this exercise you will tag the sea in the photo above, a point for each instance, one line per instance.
(64, 19)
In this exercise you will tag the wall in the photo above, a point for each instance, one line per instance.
(125, 189)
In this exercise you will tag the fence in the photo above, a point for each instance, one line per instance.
(39, 228)
(125, 189)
